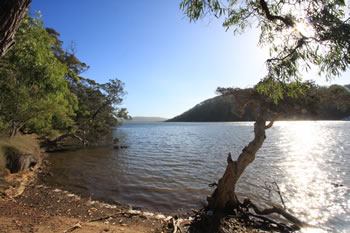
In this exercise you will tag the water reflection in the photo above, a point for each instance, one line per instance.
(313, 185)
(169, 166)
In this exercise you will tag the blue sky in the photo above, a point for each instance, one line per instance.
(168, 65)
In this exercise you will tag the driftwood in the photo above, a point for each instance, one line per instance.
(106, 217)
(177, 225)
(73, 228)
(277, 190)
(240, 220)
(294, 220)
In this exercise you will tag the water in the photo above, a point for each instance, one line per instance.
(168, 167)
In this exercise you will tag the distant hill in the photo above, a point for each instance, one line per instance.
(146, 119)
(219, 108)
(333, 103)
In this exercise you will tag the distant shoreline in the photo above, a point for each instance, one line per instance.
(140, 119)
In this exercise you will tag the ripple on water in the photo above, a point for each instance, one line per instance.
(168, 166)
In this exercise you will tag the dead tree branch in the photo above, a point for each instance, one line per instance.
(248, 204)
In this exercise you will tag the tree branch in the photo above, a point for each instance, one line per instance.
(100, 109)
(301, 42)
(288, 22)
(247, 203)
(273, 120)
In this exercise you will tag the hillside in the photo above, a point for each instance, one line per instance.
(219, 108)
(333, 103)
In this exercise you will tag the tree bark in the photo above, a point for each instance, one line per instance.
(224, 196)
(11, 14)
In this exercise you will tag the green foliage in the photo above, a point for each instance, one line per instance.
(75, 66)
(300, 35)
(335, 101)
(278, 90)
(34, 94)
(98, 108)
(41, 90)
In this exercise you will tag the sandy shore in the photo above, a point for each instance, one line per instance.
(43, 209)
(39, 208)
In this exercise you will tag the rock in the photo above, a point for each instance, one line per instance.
(17, 161)
(120, 146)
(26, 161)
(116, 141)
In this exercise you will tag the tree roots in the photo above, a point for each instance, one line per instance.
(242, 218)
(297, 224)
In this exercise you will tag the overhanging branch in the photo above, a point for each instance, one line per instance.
(273, 120)
(301, 42)
(288, 22)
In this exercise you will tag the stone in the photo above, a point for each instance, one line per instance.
(17, 161)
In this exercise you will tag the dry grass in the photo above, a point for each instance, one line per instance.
(21, 143)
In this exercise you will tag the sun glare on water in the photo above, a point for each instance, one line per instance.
(308, 180)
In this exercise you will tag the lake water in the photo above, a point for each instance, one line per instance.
(168, 167)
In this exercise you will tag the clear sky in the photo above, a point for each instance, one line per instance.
(168, 65)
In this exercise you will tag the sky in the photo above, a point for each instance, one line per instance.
(168, 64)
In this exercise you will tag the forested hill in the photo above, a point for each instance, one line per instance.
(219, 108)
(333, 103)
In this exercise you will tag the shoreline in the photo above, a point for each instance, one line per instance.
(41, 208)
(44, 209)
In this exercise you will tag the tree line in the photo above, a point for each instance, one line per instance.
(42, 90)
(322, 103)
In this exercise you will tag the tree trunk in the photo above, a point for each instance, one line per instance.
(224, 196)
(11, 14)
(13, 131)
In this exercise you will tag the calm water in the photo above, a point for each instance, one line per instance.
(168, 167)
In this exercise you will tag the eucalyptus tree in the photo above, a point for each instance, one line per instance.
(98, 104)
(33, 93)
(99, 109)
(67, 56)
(301, 35)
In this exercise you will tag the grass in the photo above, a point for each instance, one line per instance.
(20, 143)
